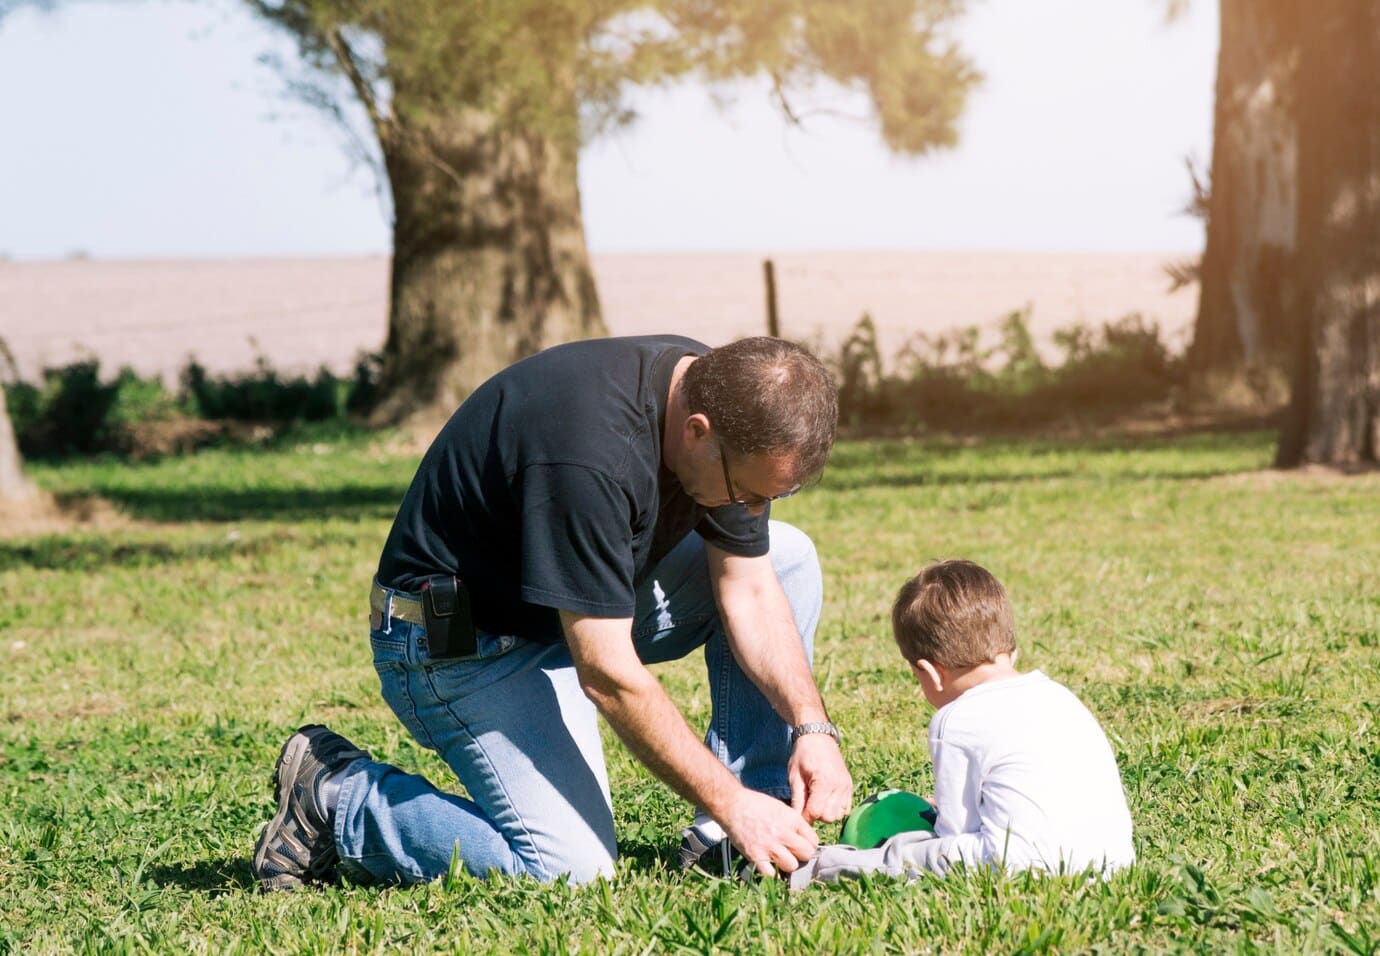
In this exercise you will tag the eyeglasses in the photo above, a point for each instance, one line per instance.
(750, 500)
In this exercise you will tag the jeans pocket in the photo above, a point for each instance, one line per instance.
(499, 657)
(390, 646)
(395, 685)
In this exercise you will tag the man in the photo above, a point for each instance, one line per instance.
(600, 506)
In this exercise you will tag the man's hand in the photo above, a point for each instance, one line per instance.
(768, 833)
(821, 788)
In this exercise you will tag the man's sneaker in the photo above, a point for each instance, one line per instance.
(298, 846)
(719, 857)
(703, 845)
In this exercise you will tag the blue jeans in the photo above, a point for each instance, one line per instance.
(522, 737)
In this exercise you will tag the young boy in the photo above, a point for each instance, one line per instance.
(1024, 776)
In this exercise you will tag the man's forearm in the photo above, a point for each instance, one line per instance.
(652, 727)
(767, 646)
(644, 717)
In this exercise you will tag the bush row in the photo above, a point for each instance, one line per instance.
(955, 380)
(960, 381)
(73, 410)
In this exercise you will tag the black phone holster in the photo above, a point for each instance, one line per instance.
(448, 621)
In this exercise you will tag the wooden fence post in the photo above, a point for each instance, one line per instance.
(773, 321)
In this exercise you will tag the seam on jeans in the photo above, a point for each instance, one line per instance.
(722, 714)
(347, 789)
(424, 738)
(405, 708)
(494, 775)
(403, 875)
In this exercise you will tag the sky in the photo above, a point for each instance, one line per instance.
(154, 130)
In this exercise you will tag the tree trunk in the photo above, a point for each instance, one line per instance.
(489, 257)
(1334, 417)
(1242, 318)
(14, 487)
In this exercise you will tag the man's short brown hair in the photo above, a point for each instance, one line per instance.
(767, 396)
(954, 614)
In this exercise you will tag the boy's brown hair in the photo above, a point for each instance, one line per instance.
(954, 614)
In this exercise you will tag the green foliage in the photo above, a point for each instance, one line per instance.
(946, 381)
(265, 396)
(1126, 362)
(1219, 619)
(73, 412)
(951, 381)
(364, 392)
(545, 65)
(859, 374)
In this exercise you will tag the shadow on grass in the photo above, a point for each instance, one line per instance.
(201, 503)
(922, 479)
(654, 857)
(101, 553)
(234, 875)
(910, 464)
(213, 877)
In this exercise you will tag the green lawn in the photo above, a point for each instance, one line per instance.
(1221, 619)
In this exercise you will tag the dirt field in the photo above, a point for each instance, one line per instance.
(302, 313)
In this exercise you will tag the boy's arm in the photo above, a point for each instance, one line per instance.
(957, 783)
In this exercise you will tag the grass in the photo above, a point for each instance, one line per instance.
(1221, 619)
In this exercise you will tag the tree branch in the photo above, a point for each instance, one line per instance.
(387, 128)
(348, 65)
(778, 90)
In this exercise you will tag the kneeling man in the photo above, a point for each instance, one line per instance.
(598, 507)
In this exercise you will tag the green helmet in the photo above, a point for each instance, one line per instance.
(883, 815)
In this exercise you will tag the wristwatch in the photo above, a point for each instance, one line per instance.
(818, 727)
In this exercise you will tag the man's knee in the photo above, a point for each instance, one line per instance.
(568, 863)
(589, 872)
(792, 550)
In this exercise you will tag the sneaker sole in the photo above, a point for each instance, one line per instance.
(285, 771)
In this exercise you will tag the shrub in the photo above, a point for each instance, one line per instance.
(77, 408)
(73, 412)
(951, 380)
(265, 396)
(1123, 365)
(1022, 368)
(25, 402)
(363, 397)
(859, 375)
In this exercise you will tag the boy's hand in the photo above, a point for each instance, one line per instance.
(821, 788)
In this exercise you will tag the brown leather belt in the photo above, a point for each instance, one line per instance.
(404, 608)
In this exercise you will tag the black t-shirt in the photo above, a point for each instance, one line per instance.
(546, 490)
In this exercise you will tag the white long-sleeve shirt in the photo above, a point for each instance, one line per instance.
(1024, 778)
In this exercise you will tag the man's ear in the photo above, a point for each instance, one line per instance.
(697, 426)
